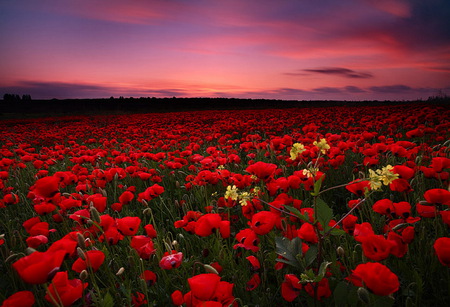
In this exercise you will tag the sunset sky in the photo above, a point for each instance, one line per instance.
(284, 49)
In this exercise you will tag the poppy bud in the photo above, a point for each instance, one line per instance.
(120, 271)
(177, 184)
(147, 211)
(29, 250)
(144, 202)
(84, 275)
(340, 251)
(210, 269)
(363, 295)
(103, 192)
(81, 241)
(81, 253)
(95, 214)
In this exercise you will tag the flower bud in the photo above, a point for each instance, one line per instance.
(95, 214)
(84, 275)
(210, 269)
(363, 295)
(120, 271)
(81, 253)
(29, 250)
(81, 240)
(147, 211)
(340, 251)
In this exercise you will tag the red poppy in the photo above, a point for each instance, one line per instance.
(445, 217)
(171, 261)
(247, 239)
(94, 259)
(426, 210)
(442, 249)
(375, 247)
(129, 225)
(126, 197)
(384, 207)
(263, 222)
(319, 290)
(138, 299)
(208, 287)
(36, 241)
(149, 277)
(262, 170)
(210, 222)
(290, 288)
(150, 231)
(143, 245)
(308, 233)
(177, 298)
(254, 262)
(376, 277)
(46, 187)
(349, 223)
(39, 267)
(358, 187)
(253, 283)
(437, 197)
(21, 298)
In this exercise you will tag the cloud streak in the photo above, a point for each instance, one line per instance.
(335, 71)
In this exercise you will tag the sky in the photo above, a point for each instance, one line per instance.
(284, 49)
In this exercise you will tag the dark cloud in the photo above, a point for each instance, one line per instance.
(399, 88)
(337, 71)
(327, 90)
(353, 89)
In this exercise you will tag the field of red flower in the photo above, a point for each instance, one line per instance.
(337, 206)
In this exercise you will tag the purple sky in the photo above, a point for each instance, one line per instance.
(286, 49)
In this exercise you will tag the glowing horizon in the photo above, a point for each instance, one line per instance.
(345, 50)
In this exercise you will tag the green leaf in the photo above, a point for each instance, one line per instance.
(324, 213)
(317, 186)
(107, 301)
(322, 270)
(297, 213)
(311, 255)
(337, 232)
(289, 249)
(340, 293)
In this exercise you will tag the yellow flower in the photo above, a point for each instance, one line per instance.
(296, 150)
(244, 198)
(322, 145)
(231, 192)
(387, 175)
(381, 176)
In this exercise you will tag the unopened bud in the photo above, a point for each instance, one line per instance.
(210, 269)
(29, 250)
(95, 214)
(144, 202)
(81, 253)
(147, 211)
(340, 251)
(363, 295)
(81, 240)
(84, 275)
(103, 192)
(120, 271)
(174, 243)
(177, 184)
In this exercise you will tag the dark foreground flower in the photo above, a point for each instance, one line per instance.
(442, 248)
(39, 267)
(376, 277)
(64, 291)
(21, 298)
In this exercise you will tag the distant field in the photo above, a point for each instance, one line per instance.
(319, 206)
